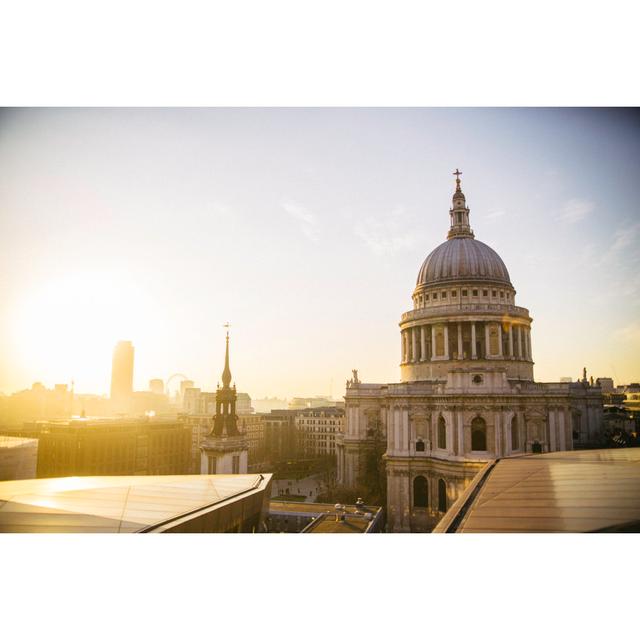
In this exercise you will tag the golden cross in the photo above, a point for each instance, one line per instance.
(226, 325)
(457, 174)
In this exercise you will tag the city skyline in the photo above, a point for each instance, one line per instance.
(155, 225)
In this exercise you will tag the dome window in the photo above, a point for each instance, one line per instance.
(464, 293)
(426, 297)
(435, 296)
(454, 294)
(475, 293)
(502, 294)
(444, 294)
(494, 293)
(485, 292)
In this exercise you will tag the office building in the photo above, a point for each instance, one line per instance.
(122, 377)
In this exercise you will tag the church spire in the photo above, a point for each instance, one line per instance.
(226, 374)
(459, 213)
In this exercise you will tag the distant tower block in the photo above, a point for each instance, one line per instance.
(184, 385)
(225, 449)
(156, 386)
(122, 377)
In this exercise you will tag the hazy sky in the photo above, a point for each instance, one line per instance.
(305, 228)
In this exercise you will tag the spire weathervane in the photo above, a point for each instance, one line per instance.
(457, 173)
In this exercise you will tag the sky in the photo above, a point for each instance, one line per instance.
(305, 229)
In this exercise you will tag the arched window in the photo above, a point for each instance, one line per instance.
(478, 435)
(515, 433)
(442, 495)
(419, 445)
(442, 433)
(420, 492)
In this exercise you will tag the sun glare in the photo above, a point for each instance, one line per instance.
(72, 323)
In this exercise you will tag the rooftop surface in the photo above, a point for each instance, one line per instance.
(329, 523)
(311, 508)
(115, 504)
(569, 491)
(10, 442)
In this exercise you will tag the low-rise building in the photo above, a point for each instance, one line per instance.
(317, 430)
(281, 438)
(86, 447)
(18, 458)
(305, 517)
(252, 425)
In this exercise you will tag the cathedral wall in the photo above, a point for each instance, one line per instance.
(445, 481)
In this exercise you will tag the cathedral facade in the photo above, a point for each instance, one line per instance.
(466, 393)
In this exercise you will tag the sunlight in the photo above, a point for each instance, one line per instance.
(73, 321)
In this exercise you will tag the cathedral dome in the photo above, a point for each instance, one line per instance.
(463, 258)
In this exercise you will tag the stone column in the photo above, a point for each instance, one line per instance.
(459, 340)
(520, 354)
(487, 341)
(474, 355)
(529, 343)
(562, 431)
(405, 429)
(433, 342)
(402, 350)
(500, 339)
(511, 341)
(552, 430)
(413, 345)
(396, 428)
(423, 345)
(446, 341)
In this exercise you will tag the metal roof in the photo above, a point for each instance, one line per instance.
(569, 491)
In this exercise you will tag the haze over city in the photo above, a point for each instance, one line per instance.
(304, 228)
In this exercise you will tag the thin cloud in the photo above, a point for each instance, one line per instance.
(307, 221)
(630, 334)
(624, 238)
(494, 215)
(385, 236)
(576, 209)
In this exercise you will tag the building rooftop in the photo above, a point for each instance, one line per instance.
(118, 504)
(569, 491)
(349, 523)
(350, 519)
(11, 442)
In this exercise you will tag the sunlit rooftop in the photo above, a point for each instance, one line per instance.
(118, 504)
(569, 491)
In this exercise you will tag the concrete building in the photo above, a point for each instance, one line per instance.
(305, 517)
(122, 377)
(243, 404)
(18, 458)
(281, 437)
(86, 447)
(156, 385)
(297, 404)
(253, 427)
(265, 405)
(318, 429)
(37, 403)
(467, 392)
(136, 504)
(225, 448)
